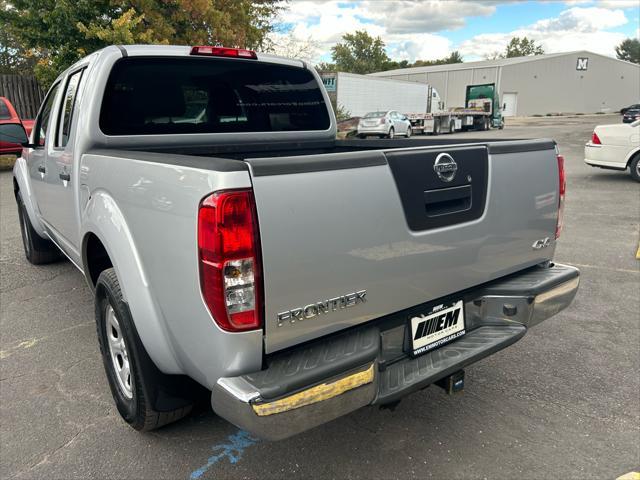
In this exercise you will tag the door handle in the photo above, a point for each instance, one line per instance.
(41, 169)
(65, 176)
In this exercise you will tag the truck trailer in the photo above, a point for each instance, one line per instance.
(357, 95)
(480, 112)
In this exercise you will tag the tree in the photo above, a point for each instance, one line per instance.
(629, 50)
(13, 57)
(493, 55)
(290, 46)
(326, 67)
(454, 57)
(359, 52)
(522, 47)
(56, 33)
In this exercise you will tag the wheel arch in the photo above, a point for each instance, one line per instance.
(632, 155)
(107, 242)
(95, 258)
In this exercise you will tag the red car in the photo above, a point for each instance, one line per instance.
(8, 115)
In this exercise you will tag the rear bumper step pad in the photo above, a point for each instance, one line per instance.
(405, 377)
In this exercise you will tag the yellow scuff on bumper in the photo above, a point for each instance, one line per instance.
(316, 394)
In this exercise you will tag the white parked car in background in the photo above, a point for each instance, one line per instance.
(384, 124)
(616, 147)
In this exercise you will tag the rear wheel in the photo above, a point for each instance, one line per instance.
(436, 127)
(409, 132)
(37, 249)
(133, 378)
(452, 126)
(634, 167)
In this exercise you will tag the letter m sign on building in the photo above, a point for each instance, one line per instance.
(583, 63)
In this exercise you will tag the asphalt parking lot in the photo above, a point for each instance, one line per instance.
(564, 402)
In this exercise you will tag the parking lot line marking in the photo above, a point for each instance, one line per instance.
(25, 344)
(233, 450)
(598, 267)
(629, 476)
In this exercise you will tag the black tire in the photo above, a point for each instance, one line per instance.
(452, 126)
(634, 167)
(392, 133)
(361, 137)
(37, 249)
(409, 132)
(138, 409)
(436, 127)
(486, 124)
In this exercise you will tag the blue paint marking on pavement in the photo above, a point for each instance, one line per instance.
(233, 450)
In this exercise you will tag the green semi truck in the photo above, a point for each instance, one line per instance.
(481, 111)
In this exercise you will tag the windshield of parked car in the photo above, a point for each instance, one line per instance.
(146, 96)
(375, 114)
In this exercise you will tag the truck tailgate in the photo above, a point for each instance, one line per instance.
(356, 236)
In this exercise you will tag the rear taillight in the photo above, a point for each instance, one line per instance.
(223, 52)
(229, 254)
(562, 188)
(595, 139)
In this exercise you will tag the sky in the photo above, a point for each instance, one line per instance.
(431, 29)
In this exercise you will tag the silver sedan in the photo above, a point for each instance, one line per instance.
(384, 124)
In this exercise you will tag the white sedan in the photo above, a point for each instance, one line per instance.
(616, 147)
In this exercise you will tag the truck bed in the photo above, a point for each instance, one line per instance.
(340, 217)
(346, 216)
(299, 149)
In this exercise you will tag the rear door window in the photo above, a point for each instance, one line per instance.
(147, 96)
(69, 101)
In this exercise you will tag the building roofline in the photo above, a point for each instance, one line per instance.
(383, 79)
(501, 62)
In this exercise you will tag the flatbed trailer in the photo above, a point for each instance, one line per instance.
(449, 122)
(481, 112)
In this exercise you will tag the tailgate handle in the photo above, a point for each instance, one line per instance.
(445, 201)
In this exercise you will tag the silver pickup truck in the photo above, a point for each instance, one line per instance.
(233, 243)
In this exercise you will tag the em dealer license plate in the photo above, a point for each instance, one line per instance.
(442, 324)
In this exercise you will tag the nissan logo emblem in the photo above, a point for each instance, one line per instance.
(445, 167)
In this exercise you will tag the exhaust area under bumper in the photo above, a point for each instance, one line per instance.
(323, 380)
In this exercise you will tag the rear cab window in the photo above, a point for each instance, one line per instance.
(147, 96)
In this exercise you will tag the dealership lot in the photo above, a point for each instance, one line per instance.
(563, 402)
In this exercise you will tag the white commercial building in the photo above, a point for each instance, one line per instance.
(573, 82)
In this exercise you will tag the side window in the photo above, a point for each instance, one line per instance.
(68, 106)
(44, 117)
(5, 114)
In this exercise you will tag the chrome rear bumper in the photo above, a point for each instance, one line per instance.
(329, 378)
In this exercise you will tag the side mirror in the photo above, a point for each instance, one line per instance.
(13, 133)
